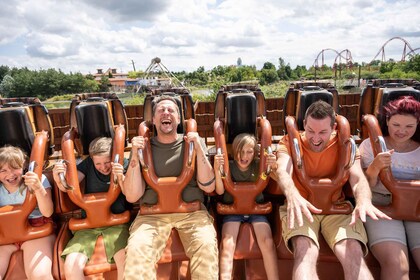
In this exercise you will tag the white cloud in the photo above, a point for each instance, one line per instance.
(82, 35)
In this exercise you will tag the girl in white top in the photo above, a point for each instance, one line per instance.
(388, 238)
(37, 253)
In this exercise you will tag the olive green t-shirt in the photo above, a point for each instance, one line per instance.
(168, 161)
(250, 175)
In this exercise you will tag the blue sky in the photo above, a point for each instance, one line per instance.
(83, 35)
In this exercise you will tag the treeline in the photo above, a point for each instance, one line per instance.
(45, 84)
(17, 82)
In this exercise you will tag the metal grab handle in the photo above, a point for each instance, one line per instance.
(116, 160)
(221, 167)
(31, 168)
(141, 159)
(382, 143)
(352, 153)
(297, 150)
(190, 153)
(269, 152)
(63, 179)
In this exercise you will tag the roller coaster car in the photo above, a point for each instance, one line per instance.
(405, 203)
(91, 117)
(242, 110)
(379, 92)
(329, 196)
(26, 125)
(242, 114)
(169, 189)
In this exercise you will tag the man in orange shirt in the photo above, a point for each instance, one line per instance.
(301, 220)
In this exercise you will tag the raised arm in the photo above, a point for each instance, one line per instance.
(219, 161)
(43, 195)
(134, 185)
(381, 161)
(60, 167)
(205, 172)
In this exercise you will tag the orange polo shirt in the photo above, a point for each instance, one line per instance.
(317, 164)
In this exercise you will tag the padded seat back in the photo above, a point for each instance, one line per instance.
(241, 115)
(17, 127)
(94, 120)
(30, 116)
(298, 99)
(241, 110)
(105, 108)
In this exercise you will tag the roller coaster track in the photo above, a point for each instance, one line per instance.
(344, 54)
(410, 51)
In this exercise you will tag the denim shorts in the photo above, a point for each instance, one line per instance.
(245, 219)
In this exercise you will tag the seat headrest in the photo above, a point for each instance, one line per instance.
(393, 93)
(16, 128)
(241, 115)
(13, 104)
(93, 120)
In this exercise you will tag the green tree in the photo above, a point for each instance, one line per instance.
(104, 84)
(3, 71)
(244, 73)
(413, 64)
(387, 66)
(268, 65)
(7, 85)
(285, 71)
(268, 76)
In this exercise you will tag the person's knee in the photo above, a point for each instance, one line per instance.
(42, 274)
(351, 247)
(266, 243)
(42, 271)
(228, 245)
(304, 247)
(395, 261)
(74, 264)
(119, 258)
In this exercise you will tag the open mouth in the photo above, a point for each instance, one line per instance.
(317, 144)
(166, 122)
(12, 181)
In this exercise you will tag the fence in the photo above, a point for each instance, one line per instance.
(204, 115)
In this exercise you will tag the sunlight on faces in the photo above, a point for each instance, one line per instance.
(245, 157)
(102, 163)
(401, 127)
(318, 132)
(166, 117)
(10, 177)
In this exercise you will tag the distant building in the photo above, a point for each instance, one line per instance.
(121, 83)
(117, 80)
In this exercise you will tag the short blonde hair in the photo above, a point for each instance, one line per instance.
(100, 146)
(13, 156)
(240, 141)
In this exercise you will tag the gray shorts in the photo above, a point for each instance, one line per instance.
(393, 230)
